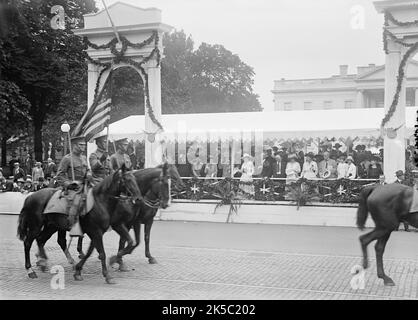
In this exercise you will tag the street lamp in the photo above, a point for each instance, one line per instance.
(65, 127)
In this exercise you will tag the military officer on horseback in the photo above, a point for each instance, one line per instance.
(73, 175)
(99, 161)
(120, 157)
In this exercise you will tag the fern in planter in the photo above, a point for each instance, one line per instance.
(301, 194)
(228, 197)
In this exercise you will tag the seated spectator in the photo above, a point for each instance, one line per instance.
(27, 186)
(351, 169)
(292, 169)
(211, 169)
(309, 168)
(342, 167)
(197, 166)
(18, 172)
(375, 169)
(400, 177)
(335, 151)
(382, 179)
(327, 167)
(18, 185)
(269, 165)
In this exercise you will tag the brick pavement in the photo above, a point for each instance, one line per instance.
(203, 273)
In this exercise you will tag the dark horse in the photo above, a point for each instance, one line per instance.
(33, 224)
(388, 205)
(154, 184)
(156, 195)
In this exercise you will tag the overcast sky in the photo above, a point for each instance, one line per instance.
(288, 39)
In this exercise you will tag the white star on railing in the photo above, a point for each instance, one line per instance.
(194, 189)
(341, 190)
(264, 189)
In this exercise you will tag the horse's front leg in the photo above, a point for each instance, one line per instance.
(62, 242)
(123, 232)
(380, 249)
(147, 232)
(80, 264)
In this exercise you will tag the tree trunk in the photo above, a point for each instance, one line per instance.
(37, 124)
(4, 151)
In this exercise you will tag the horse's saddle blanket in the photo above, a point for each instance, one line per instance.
(414, 205)
(59, 202)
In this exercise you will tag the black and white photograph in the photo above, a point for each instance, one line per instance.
(231, 151)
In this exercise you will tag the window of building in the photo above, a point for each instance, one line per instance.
(380, 104)
(348, 104)
(327, 104)
(307, 105)
(288, 106)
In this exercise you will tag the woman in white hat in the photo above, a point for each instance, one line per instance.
(351, 169)
(247, 170)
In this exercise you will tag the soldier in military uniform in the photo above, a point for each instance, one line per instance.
(73, 185)
(99, 161)
(120, 157)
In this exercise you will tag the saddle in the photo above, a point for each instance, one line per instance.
(72, 203)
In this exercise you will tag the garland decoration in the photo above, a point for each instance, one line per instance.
(119, 56)
(401, 70)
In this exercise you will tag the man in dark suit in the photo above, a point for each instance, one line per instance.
(269, 165)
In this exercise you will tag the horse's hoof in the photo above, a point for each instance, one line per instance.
(43, 267)
(113, 260)
(78, 277)
(152, 260)
(123, 267)
(81, 255)
(32, 275)
(388, 282)
(71, 261)
(109, 280)
(365, 264)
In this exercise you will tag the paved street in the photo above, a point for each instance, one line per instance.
(221, 261)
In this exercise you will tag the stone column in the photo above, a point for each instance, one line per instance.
(394, 149)
(360, 99)
(153, 152)
(416, 96)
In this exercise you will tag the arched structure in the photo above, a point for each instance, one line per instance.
(400, 37)
(140, 31)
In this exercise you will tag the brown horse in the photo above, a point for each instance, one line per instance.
(33, 224)
(388, 206)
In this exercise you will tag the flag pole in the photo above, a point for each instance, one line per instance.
(111, 22)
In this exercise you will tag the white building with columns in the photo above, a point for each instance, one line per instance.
(364, 89)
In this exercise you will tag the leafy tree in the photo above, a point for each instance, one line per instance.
(14, 115)
(48, 65)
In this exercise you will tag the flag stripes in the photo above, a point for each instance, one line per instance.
(97, 117)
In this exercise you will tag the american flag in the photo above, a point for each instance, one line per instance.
(97, 117)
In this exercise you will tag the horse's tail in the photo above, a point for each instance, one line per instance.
(22, 227)
(363, 210)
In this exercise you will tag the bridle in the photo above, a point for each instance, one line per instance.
(121, 197)
(156, 203)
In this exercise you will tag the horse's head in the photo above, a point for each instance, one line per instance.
(127, 183)
(175, 175)
(160, 191)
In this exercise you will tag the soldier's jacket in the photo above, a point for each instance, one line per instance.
(64, 170)
(100, 168)
(117, 159)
